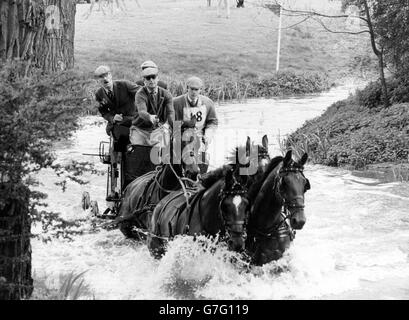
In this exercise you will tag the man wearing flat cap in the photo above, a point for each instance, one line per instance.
(116, 103)
(198, 115)
(154, 107)
(150, 64)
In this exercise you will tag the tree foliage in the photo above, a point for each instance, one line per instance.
(391, 20)
(36, 113)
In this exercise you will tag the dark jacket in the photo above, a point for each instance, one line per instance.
(124, 102)
(146, 107)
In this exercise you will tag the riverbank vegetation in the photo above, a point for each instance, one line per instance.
(356, 132)
(371, 128)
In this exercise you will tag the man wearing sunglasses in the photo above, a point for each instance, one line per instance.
(116, 103)
(150, 64)
(199, 120)
(154, 106)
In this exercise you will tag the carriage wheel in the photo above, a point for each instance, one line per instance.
(86, 200)
(94, 208)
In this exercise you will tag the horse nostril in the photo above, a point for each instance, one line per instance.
(297, 224)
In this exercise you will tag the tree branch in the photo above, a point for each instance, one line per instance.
(342, 32)
(295, 24)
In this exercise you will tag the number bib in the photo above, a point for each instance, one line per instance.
(200, 112)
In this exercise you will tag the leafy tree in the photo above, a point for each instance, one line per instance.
(386, 22)
(391, 21)
(36, 36)
(36, 112)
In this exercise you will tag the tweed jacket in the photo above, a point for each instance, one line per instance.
(146, 107)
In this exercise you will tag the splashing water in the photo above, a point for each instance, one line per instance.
(355, 243)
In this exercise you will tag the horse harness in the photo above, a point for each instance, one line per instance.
(283, 228)
(236, 190)
(292, 204)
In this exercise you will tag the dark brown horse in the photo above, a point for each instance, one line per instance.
(143, 193)
(221, 206)
(277, 208)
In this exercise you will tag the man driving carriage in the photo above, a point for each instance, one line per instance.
(155, 112)
(116, 103)
(198, 115)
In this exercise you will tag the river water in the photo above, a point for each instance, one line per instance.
(354, 245)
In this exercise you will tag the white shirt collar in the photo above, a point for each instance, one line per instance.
(190, 100)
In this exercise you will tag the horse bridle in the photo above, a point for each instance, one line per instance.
(289, 206)
(283, 228)
(292, 204)
(236, 190)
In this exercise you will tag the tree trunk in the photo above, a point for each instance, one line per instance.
(40, 32)
(379, 55)
(381, 65)
(15, 249)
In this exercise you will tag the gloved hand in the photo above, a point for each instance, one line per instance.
(189, 123)
(154, 119)
(118, 118)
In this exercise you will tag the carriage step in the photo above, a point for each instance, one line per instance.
(113, 198)
(108, 214)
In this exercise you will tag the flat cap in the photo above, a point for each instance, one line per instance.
(148, 64)
(194, 82)
(101, 70)
(149, 68)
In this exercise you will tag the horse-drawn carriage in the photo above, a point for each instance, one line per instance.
(255, 211)
(134, 162)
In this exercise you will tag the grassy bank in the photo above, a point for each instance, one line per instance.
(359, 133)
(187, 38)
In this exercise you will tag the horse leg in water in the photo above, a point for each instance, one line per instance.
(156, 246)
(269, 249)
(159, 225)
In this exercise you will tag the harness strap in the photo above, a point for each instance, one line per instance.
(165, 206)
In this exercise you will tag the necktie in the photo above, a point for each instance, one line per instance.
(153, 95)
(110, 95)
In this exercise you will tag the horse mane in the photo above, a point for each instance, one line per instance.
(211, 177)
(270, 167)
(234, 154)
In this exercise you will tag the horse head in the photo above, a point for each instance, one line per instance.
(233, 206)
(191, 157)
(251, 161)
(292, 185)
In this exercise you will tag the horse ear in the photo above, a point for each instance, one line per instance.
(248, 146)
(228, 179)
(265, 142)
(304, 159)
(287, 157)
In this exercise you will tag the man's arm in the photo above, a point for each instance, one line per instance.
(132, 88)
(103, 108)
(170, 111)
(211, 122)
(142, 108)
